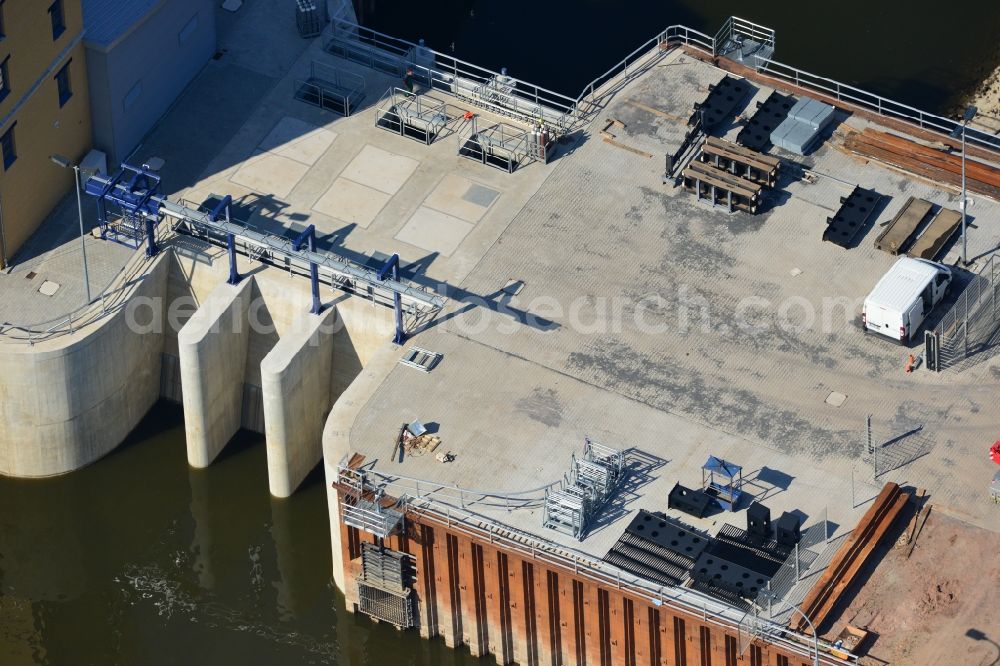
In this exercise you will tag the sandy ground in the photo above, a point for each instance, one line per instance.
(940, 606)
(987, 100)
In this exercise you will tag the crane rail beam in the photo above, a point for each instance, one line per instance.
(156, 206)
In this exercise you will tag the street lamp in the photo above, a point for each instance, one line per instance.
(66, 164)
(970, 113)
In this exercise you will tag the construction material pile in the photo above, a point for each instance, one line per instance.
(925, 161)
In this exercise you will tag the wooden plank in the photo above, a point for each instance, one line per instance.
(608, 138)
(735, 152)
(949, 161)
(942, 227)
(926, 162)
(851, 556)
(723, 179)
(907, 220)
(923, 519)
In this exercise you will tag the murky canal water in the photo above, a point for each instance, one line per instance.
(140, 559)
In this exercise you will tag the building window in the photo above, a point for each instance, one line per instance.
(58, 19)
(4, 76)
(62, 83)
(7, 148)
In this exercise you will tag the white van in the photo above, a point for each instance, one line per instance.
(904, 297)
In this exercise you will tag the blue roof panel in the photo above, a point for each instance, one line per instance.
(104, 21)
(720, 466)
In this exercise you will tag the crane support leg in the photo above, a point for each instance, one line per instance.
(151, 247)
(220, 208)
(391, 269)
(234, 275)
(308, 236)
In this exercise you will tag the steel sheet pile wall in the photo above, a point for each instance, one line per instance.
(527, 610)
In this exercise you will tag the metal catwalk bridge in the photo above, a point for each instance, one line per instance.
(138, 206)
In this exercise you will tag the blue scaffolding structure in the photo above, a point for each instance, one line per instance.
(135, 192)
(726, 491)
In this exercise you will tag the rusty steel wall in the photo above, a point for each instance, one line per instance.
(523, 611)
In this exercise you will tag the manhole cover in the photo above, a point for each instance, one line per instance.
(48, 288)
(479, 195)
(835, 399)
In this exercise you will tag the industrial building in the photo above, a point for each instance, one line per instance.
(140, 55)
(44, 110)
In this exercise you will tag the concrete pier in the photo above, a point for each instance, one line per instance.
(212, 347)
(295, 380)
(68, 400)
(337, 443)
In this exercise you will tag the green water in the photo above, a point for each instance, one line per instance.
(140, 559)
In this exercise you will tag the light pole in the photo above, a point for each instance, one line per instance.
(970, 113)
(66, 164)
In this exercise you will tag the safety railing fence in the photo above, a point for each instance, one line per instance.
(398, 485)
(433, 68)
(739, 28)
(972, 326)
(421, 117)
(330, 88)
(575, 110)
(499, 145)
(109, 300)
(797, 566)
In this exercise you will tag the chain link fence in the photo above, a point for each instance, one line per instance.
(970, 331)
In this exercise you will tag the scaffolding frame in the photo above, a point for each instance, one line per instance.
(419, 117)
(330, 88)
(589, 485)
(362, 507)
(744, 41)
(499, 145)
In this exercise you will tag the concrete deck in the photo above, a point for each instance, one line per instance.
(627, 326)
(525, 378)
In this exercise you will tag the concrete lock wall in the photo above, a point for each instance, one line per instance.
(337, 443)
(212, 347)
(295, 379)
(68, 401)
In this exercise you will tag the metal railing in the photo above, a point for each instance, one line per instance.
(398, 485)
(499, 145)
(972, 327)
(330, 88)
(110, 300)
(440, 70)
(420, 117)
(575, 111)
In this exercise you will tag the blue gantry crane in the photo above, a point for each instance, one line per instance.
(135, 193)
